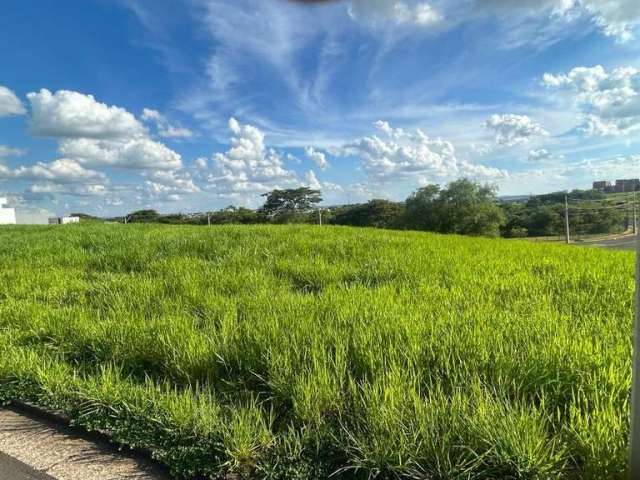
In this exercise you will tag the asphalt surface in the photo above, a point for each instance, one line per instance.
(12, 469)
(622, 243)
(36, 448)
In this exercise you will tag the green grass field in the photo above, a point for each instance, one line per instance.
(299, 352)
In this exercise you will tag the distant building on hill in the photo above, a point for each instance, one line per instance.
(628, 185)
(621, 186)
(602, 185)
(7, 215)
(63, 220)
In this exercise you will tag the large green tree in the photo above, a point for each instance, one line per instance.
(375, 213)
(143, 216)
(464, 207)
(286, 204)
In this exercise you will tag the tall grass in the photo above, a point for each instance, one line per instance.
(303, 352)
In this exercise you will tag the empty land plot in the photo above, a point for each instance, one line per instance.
(301, 352)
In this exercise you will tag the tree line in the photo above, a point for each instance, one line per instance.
(462, 207)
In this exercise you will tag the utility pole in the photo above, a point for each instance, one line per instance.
(209, 219)
(566, 218)
(635, 214)
(634, 430)
(125, 219)
(319, 217)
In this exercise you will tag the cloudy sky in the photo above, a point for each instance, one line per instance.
(188, 105)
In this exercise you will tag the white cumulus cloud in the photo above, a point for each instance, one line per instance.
(401, 154)
(94, 134)
(176, 182)
(608, 100)
(150, 115)
(137, 153)
(543, 155)
(164, 128)
(248, 165)
(172, 131)
(616, 18)
(539, 155)
(6, 151)
(510, 129)
(312, 182)
(75, 115)
(62, 170)
(319, 158)
(201, 163)
(10, 104)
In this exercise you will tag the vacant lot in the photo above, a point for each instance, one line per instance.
(298, 352)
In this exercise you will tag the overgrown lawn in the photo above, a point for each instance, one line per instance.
(299, 352)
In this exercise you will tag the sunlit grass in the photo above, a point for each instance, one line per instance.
(301, 352)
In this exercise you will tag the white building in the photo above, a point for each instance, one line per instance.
(7, 215)
(63, 220)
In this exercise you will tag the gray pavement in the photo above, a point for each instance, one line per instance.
(12, 469)
(627, 242)
(33, 448)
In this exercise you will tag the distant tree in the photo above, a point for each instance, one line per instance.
(234, 215)
(558, 197)
(286, 205)
(375, 213)
(545, 220)
(421, 212)
(516, 224)
(143, 216)
(174, 219)
(84, 216)
(543, 215)
(600, 220)
(464, 207)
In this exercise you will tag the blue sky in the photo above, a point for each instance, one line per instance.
(107, 106)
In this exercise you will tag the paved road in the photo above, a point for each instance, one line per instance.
(623, 243)
(63, 453)
(12, 469)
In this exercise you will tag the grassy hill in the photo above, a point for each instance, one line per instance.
(298, 352)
